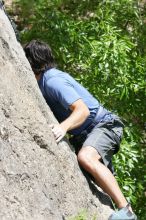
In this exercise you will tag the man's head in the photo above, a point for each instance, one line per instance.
(40, 56)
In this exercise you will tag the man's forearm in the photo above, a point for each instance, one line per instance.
(76, 119)
(79, 114)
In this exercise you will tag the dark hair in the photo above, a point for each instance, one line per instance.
(39, 55)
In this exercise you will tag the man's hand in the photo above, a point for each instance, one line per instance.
(58, 131)
(79, 114)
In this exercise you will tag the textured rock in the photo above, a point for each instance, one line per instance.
(38, 178)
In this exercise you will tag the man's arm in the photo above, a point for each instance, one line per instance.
(79, 114)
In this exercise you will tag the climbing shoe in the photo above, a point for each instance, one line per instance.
(123, 214)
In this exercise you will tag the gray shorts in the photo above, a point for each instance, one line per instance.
(105, 137)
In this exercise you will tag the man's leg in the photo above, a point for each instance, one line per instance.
(89, 159)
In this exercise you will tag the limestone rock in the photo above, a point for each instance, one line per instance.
(38, 178)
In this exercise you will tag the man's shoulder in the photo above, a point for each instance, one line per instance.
(55, 78)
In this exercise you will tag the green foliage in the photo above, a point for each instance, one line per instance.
(102, 44)
(82, 216)
(130, 168)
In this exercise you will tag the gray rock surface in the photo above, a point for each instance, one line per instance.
(38, 178)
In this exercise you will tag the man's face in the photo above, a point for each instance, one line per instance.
(38, 76)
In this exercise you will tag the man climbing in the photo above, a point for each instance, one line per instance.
(95, 130)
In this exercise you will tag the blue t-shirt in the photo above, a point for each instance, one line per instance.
(60, 91)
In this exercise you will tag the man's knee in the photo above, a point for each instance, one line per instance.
(88, 158)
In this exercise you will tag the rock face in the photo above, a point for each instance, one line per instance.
(38, 178)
